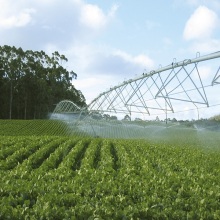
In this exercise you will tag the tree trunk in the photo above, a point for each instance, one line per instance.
(25, 109)
(11, 99)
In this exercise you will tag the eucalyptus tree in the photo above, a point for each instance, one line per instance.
(11, 64)
(31, 82)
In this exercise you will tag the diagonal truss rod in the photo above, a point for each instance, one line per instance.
(138, 93)
(216, 77)
(167, 100)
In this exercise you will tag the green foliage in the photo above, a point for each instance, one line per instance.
(215, 118)
(58, 177)
(31, 82)
(33, 127)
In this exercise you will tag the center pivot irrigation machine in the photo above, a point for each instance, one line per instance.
(122, 111)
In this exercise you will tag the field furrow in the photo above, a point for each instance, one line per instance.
(66, 177)
(56, 157)
(91, 156)
(107, 160)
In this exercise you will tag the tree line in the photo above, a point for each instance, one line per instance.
(32, 82)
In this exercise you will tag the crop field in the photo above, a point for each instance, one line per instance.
(33, 127)
(46, 173)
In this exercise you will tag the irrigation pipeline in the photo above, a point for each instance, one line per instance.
(148, 93)
(173, 65)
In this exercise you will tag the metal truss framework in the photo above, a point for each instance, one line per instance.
(66, 106)
(161, 89)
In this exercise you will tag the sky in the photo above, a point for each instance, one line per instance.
(109, 41)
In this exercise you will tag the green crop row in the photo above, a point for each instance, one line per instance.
(33, 127)
(52, 177)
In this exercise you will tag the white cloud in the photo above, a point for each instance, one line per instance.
(20, 20)
(68, 28)
(103, 60)
(51, 21)
(201, 24)
(14, 15)
(141, 59)
(100, 67)
(93, 17)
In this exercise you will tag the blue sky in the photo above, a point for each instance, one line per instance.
(109, 41)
